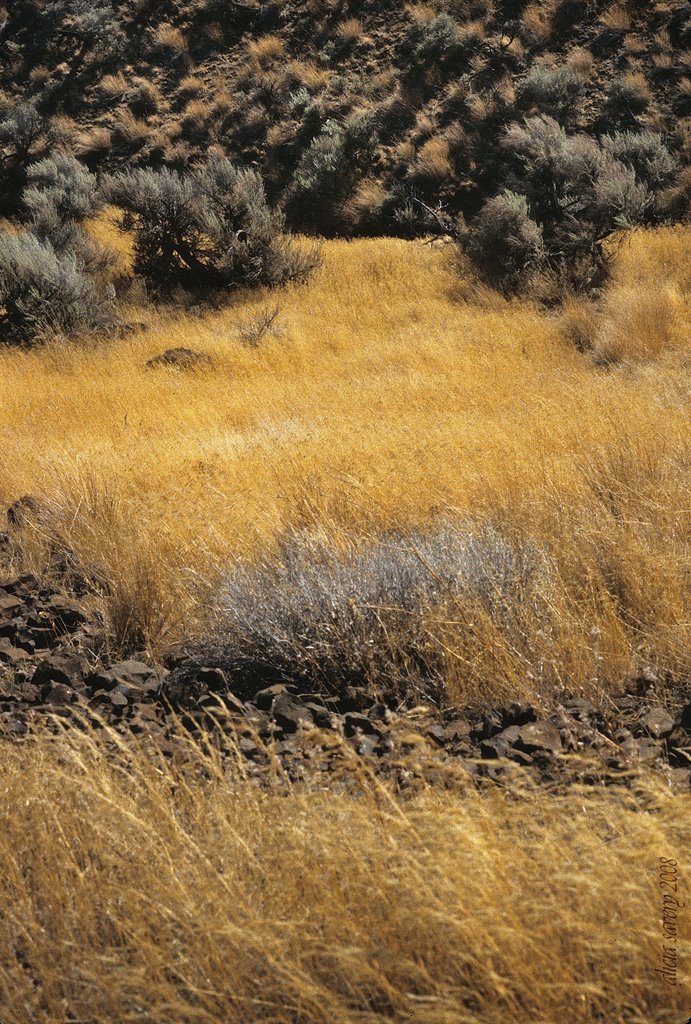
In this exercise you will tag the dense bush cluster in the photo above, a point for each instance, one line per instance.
(49, 271)
(211, 228)
(565, 195)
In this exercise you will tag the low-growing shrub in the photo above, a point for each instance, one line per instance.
(646, 153)
(81, 29)
(554, 91)
(329, 169)
(326, 619)
(628, 96)
(435, 40)
(569, 191)
(61, 194)
(505, 243)
(23, 134)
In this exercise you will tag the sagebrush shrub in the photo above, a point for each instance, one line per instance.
(23, 133)
(330, 167)
(646, 153)
(212, 227)
(323, 617)
(438, 39)
(43, 293)
(573, 189)
(81, 29)
(61, 194)
(505, 243)
(553, 90)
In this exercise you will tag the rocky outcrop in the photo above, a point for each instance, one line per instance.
(53, 668)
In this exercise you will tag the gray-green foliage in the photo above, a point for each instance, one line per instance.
(646, 153)
(48, 273)
(332, 164)
(43, 293)
(61, 194)
(22, 126)
(437, 39)
(327, 618)
(554, 90)
(211, 227)
(506, 244)
(575, 191)
(82, 28)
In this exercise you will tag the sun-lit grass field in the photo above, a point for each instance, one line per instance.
(391, 398)
(388, 394)
(134, 890)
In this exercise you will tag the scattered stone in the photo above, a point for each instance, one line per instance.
(60, 668)
(265, 698)
(352, 721)
(10, 605)
(458, 729)
(500, 745)
(65, 613)
(658, 722)
(536, 736)
(180, 359)
(58, 693)
(685, 718)
(290, 714)
(9, 654)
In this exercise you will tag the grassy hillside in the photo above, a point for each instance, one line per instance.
(387, 399)
(344, 620)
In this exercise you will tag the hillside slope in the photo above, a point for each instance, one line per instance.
(352, 109)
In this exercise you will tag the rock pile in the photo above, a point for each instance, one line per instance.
(52, 661)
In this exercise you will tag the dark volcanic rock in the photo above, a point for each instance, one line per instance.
(10, 605)
(541, 735)
(290, 714)
(131, 677)
(353, 721)
(180, 359)
(685, 718)
(265, 698)
(68, 669)
(64, 613)
(658, 722)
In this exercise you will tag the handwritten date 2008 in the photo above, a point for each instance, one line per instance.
(671, 906)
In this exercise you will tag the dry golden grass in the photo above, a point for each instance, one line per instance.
(266, 50)
(349, 31)
(385, 401)
(135, 890)
(433, 161)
